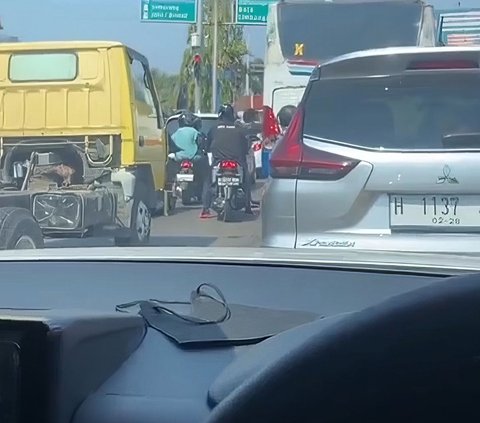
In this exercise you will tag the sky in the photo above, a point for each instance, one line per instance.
(119, 20)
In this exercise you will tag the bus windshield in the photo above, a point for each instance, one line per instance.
(321, 31)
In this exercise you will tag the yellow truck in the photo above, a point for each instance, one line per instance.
(83, 144)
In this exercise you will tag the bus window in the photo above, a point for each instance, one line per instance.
(320, 31)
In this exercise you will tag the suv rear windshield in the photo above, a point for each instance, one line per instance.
(407, 112)
(327, 30)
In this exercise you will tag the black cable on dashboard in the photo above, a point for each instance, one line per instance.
(159, 306)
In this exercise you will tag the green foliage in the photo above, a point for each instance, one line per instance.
(167, 89)
(231, 52)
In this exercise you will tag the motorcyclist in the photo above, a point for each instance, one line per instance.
(190, 144)
(228, 141)
(204, 170)
(185, 138)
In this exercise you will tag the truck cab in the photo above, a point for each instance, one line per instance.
(82, 138)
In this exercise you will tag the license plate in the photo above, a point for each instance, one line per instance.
(228, 180)
(435, 211)
(185, 177)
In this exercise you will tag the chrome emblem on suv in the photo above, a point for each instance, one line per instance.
(446, 176)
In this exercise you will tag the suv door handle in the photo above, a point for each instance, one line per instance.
(141, 140)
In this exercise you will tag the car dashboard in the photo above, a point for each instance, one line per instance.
(88, 363)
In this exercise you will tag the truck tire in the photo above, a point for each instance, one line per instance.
(19, 230)
(140, 223)
(187, 197)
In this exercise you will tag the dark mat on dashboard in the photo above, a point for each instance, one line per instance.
(211, 320)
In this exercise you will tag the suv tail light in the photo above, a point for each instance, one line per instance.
(292, 159)
(228, 165)
(186, 164)
(271, 128)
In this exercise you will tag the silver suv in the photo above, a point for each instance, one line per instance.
(383, 153)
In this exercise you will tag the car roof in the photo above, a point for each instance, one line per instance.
(59, 45)
(391, 60)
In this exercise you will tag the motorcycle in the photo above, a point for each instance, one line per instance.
(187, 186)
(229, 195)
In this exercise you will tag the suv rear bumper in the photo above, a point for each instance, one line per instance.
(405, 242)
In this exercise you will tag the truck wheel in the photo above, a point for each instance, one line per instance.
(140, 224)
(187, 197)
(19, 230)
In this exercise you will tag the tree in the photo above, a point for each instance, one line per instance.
(231, 51)
(167, 86)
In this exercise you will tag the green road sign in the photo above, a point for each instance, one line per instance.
(252, 12)
(172, 11)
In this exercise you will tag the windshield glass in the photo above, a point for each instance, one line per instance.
(414, 112)
(328, 29)
(93, 153)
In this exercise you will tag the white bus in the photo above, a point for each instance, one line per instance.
(301, 34)
(459, 27)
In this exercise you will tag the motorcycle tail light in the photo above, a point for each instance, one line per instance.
(228, 165)
(186, 164)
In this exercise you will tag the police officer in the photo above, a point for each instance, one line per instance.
(227, 141)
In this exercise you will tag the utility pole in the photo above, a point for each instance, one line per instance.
(215, 56)
(197, 44)
(247, 73)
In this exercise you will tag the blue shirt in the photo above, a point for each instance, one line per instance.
(186, 141)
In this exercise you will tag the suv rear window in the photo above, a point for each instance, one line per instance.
(407, 112)
(28, 67)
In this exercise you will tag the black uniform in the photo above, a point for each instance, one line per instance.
(227, 141)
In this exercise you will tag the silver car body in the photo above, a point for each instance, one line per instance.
(361, 210)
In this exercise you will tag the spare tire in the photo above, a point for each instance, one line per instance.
(19, 230)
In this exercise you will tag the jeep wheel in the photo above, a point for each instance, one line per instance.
(19, 230)
(140, 224)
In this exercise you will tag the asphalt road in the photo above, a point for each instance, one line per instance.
(184, 228)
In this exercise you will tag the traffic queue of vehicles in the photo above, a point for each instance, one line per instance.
(84, 142)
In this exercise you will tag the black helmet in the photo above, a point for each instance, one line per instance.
(187, 119)
(285, 115)
(197, 123)
(226, 113)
